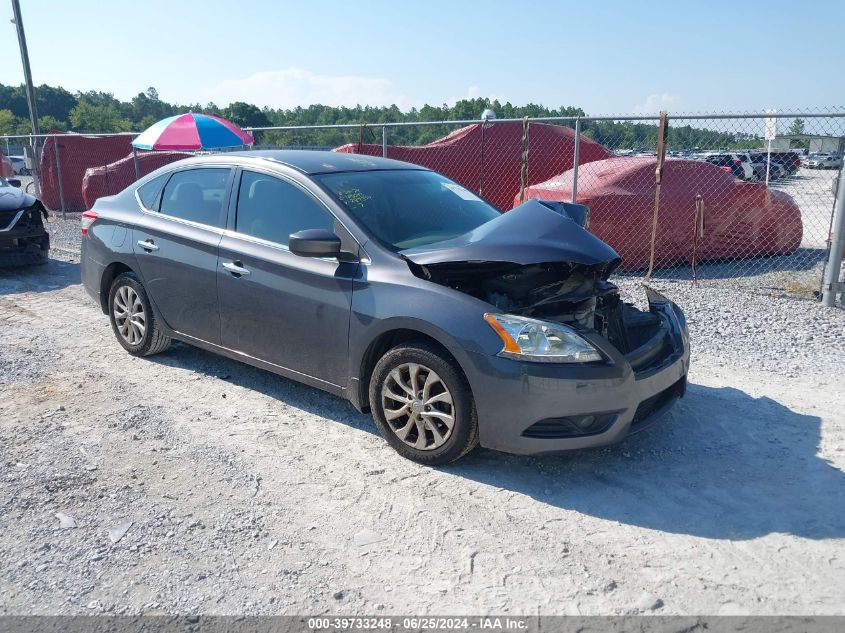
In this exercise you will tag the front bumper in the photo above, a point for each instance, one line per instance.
(521, 404)
(23, 241)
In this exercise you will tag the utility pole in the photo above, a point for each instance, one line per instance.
(831, 285)
(30, 91)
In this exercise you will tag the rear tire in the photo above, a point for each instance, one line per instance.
(132, 319)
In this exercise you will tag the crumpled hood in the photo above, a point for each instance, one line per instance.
(529, 234)
(12, 199)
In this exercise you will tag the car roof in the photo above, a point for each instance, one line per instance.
(308, 162)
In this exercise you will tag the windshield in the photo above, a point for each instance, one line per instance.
(405, 208)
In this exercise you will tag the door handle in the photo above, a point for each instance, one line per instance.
(147, 245)
(236, 269)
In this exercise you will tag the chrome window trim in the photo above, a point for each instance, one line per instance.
(281, 247)
(199, 225)
(260, 241)
(365, 259)
(14, 221)
(138, 188)
(173, 218)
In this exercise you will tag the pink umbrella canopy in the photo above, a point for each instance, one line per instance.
(189, 132)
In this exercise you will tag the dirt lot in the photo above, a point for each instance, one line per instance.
(245, 492)
(812, 190)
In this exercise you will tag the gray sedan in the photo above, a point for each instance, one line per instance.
(392, 286)
(822, 161)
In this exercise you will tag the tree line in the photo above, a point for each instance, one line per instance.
(101, 112)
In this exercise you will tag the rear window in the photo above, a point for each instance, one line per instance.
(196, 195)
(149, 192)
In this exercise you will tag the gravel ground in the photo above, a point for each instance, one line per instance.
(188, 483)
(64, 234)
(812, 190)
(773, 331)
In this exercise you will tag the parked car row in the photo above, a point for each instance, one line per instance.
(752, 166)
(822, 161)
(743, 165)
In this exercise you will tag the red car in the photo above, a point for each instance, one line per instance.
(741, 219)
(6, 169)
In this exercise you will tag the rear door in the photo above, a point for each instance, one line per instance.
(279, 307)
(175, 242)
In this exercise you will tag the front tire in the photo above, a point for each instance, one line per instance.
(422, 405)
(132, 319)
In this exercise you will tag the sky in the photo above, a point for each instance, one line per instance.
(606, 56)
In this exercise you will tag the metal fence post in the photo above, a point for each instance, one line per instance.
(59, 176)
(576, 159)
(384, 141)
(832, 286)
(36, 165)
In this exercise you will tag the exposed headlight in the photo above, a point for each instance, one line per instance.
(540, 341)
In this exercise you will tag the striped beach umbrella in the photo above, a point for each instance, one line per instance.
(189, 132)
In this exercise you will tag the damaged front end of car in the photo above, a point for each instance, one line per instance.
(24, 239)
(547, 280)
(539, 261)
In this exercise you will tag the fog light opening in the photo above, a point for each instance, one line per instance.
(584, 422)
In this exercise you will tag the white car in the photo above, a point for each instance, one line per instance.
(756, 163)
(747, 165)
(19, 165)
(822, 161)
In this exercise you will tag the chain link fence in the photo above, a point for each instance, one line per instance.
(734, 207)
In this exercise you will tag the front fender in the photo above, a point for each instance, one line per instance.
(453, 319)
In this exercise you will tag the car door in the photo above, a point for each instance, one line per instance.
(175, 241)
(281, 308)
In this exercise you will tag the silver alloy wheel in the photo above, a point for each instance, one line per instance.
(129, 315)
(418, 406)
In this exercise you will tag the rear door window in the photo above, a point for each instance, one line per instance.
(271, 209)
(149, 193)
(196, 195)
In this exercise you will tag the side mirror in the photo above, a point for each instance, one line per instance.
(314, 243)
(578, 213)
(14, 182)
